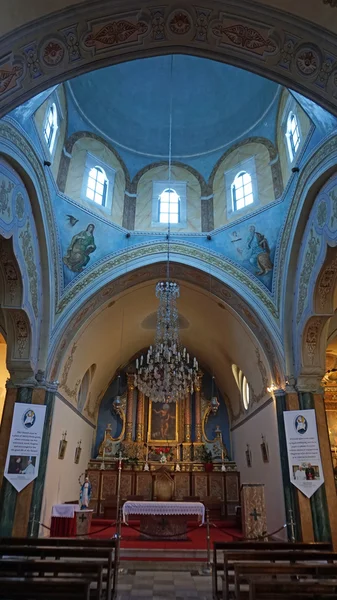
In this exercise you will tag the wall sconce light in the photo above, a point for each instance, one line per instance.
(264, 450)
(63, 445)
(272, 388)
(248, 456)
(78, 451)
(214, 402)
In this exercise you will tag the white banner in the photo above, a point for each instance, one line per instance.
(305, 466)
(23, 456)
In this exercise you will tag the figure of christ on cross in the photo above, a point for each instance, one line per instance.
(165, 420)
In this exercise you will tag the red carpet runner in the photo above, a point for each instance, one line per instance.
(196, 538)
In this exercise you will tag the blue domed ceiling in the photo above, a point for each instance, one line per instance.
(214, 105)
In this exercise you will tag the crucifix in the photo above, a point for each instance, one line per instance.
(255, 514)
(118, 521)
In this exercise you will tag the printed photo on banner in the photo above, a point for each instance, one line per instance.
(304, 458)
(306, 472)
(24, 448)
(25, 465)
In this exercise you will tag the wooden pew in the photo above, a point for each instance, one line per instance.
(91, 571)
(292, 590)
(55, 541)
(13, 588)
(104, 555)
(257, 545)
(246, 571)
(265, 557)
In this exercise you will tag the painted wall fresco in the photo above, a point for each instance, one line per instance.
(86, 239)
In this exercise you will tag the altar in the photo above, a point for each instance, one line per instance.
(164, 520)
(69, 520)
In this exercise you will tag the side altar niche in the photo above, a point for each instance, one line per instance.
(156, 438)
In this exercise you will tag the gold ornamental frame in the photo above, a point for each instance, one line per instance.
(149, 427)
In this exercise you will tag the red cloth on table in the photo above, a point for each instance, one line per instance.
(63, 527)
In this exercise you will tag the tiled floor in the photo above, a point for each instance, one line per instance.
(165, 585)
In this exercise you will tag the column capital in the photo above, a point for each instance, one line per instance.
(36, 382)
(310, 383)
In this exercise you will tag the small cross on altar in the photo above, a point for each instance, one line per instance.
(255, 514)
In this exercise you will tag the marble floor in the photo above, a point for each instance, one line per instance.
(164, 585)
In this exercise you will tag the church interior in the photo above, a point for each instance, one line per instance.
(168, 287)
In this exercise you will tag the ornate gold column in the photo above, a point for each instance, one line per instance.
(188, 418)
(129, 406)
(198, 431)
(140, 416)
(187, 445)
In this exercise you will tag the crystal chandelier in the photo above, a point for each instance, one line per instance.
(167, 374)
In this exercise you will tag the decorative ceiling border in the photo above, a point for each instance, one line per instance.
(182, 249)
(292, 51)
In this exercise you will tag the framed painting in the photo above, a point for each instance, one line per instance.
(163, 422)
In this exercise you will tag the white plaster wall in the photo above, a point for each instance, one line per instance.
(61, 484)
(250, 432)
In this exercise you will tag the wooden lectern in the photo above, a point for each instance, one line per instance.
(253, 506)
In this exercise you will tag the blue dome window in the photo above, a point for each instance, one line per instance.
(51, 127)
(169, 206)
(97, 185)
(293, 135)
(242, 190)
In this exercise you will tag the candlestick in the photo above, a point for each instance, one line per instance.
(222, 455)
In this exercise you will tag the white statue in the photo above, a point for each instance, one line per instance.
(85, 494)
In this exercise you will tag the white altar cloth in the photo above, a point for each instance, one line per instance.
(64, 510)
(163, 508)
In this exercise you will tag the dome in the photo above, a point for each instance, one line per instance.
(213, 104)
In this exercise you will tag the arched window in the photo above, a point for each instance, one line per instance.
(97, 185)
(245, 393)
(293, 135)
(50, 127)
(84, 387)
(243, 385)
(169, 206)
(242, 190)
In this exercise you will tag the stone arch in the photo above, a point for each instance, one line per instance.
(176, 163)
(315, 332)
(39, 54)
(311, 179)
(14, 319)
(99, 297)
(274, 163)
(66, 157)
(35, 251)
(314, 300)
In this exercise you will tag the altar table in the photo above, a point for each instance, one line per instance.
(164, 520)
(67, 520)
